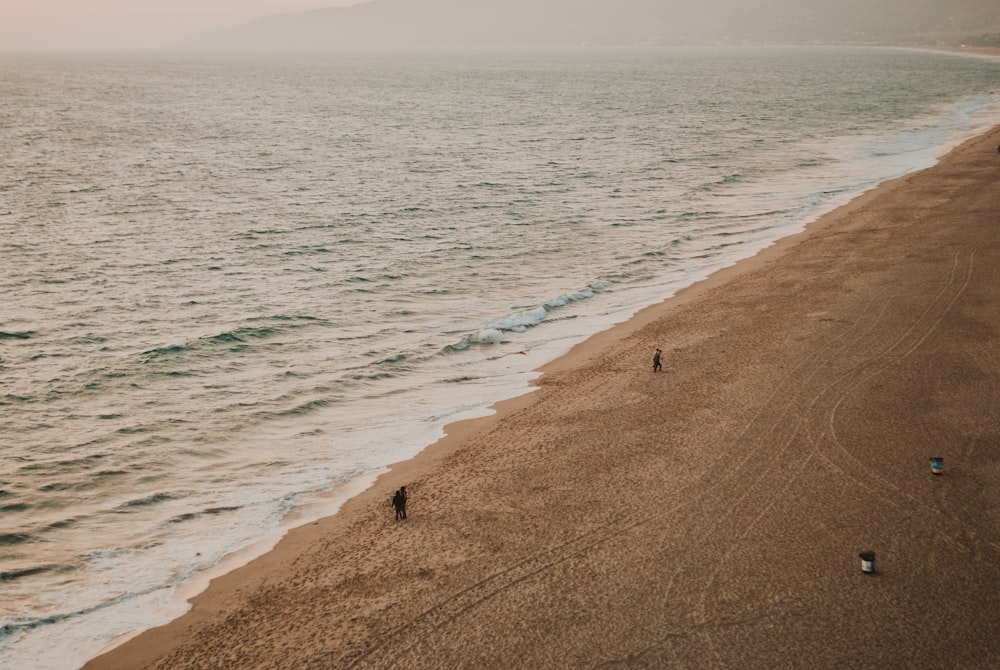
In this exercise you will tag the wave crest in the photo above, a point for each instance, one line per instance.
(519, 322)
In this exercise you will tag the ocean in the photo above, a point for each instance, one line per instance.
(236, 288)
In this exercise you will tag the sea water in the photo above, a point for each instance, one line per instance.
(233, 286)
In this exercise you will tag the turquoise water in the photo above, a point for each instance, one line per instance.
(233, 285)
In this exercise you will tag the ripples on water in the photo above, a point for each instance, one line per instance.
(230, 283)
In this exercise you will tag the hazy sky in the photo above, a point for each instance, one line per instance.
(34, 25)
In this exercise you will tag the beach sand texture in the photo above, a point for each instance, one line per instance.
(708, 516)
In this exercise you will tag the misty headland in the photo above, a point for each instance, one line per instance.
(422, 24)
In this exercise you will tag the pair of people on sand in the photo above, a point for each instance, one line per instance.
(657, 365)
(399, 503)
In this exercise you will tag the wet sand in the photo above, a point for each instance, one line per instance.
(707, 516)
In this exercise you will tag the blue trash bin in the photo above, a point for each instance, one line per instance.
(937, 465)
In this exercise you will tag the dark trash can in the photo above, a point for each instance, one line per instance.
(867, 561)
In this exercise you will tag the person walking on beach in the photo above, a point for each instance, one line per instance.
(399, 504)
(657, 366)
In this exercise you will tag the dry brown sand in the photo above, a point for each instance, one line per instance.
(709, 516)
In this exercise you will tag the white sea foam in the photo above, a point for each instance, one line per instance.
(489, 335)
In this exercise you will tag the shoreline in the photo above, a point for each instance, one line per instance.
(235, 592)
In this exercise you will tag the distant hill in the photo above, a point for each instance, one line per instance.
(404, 24)
(945, 22)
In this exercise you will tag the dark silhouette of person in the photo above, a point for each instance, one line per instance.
(657, 366)
(399, 504)
(402, 499)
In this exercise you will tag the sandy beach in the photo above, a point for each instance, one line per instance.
(706, 516)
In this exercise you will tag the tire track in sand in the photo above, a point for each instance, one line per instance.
(768, 427)
(722, 471)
